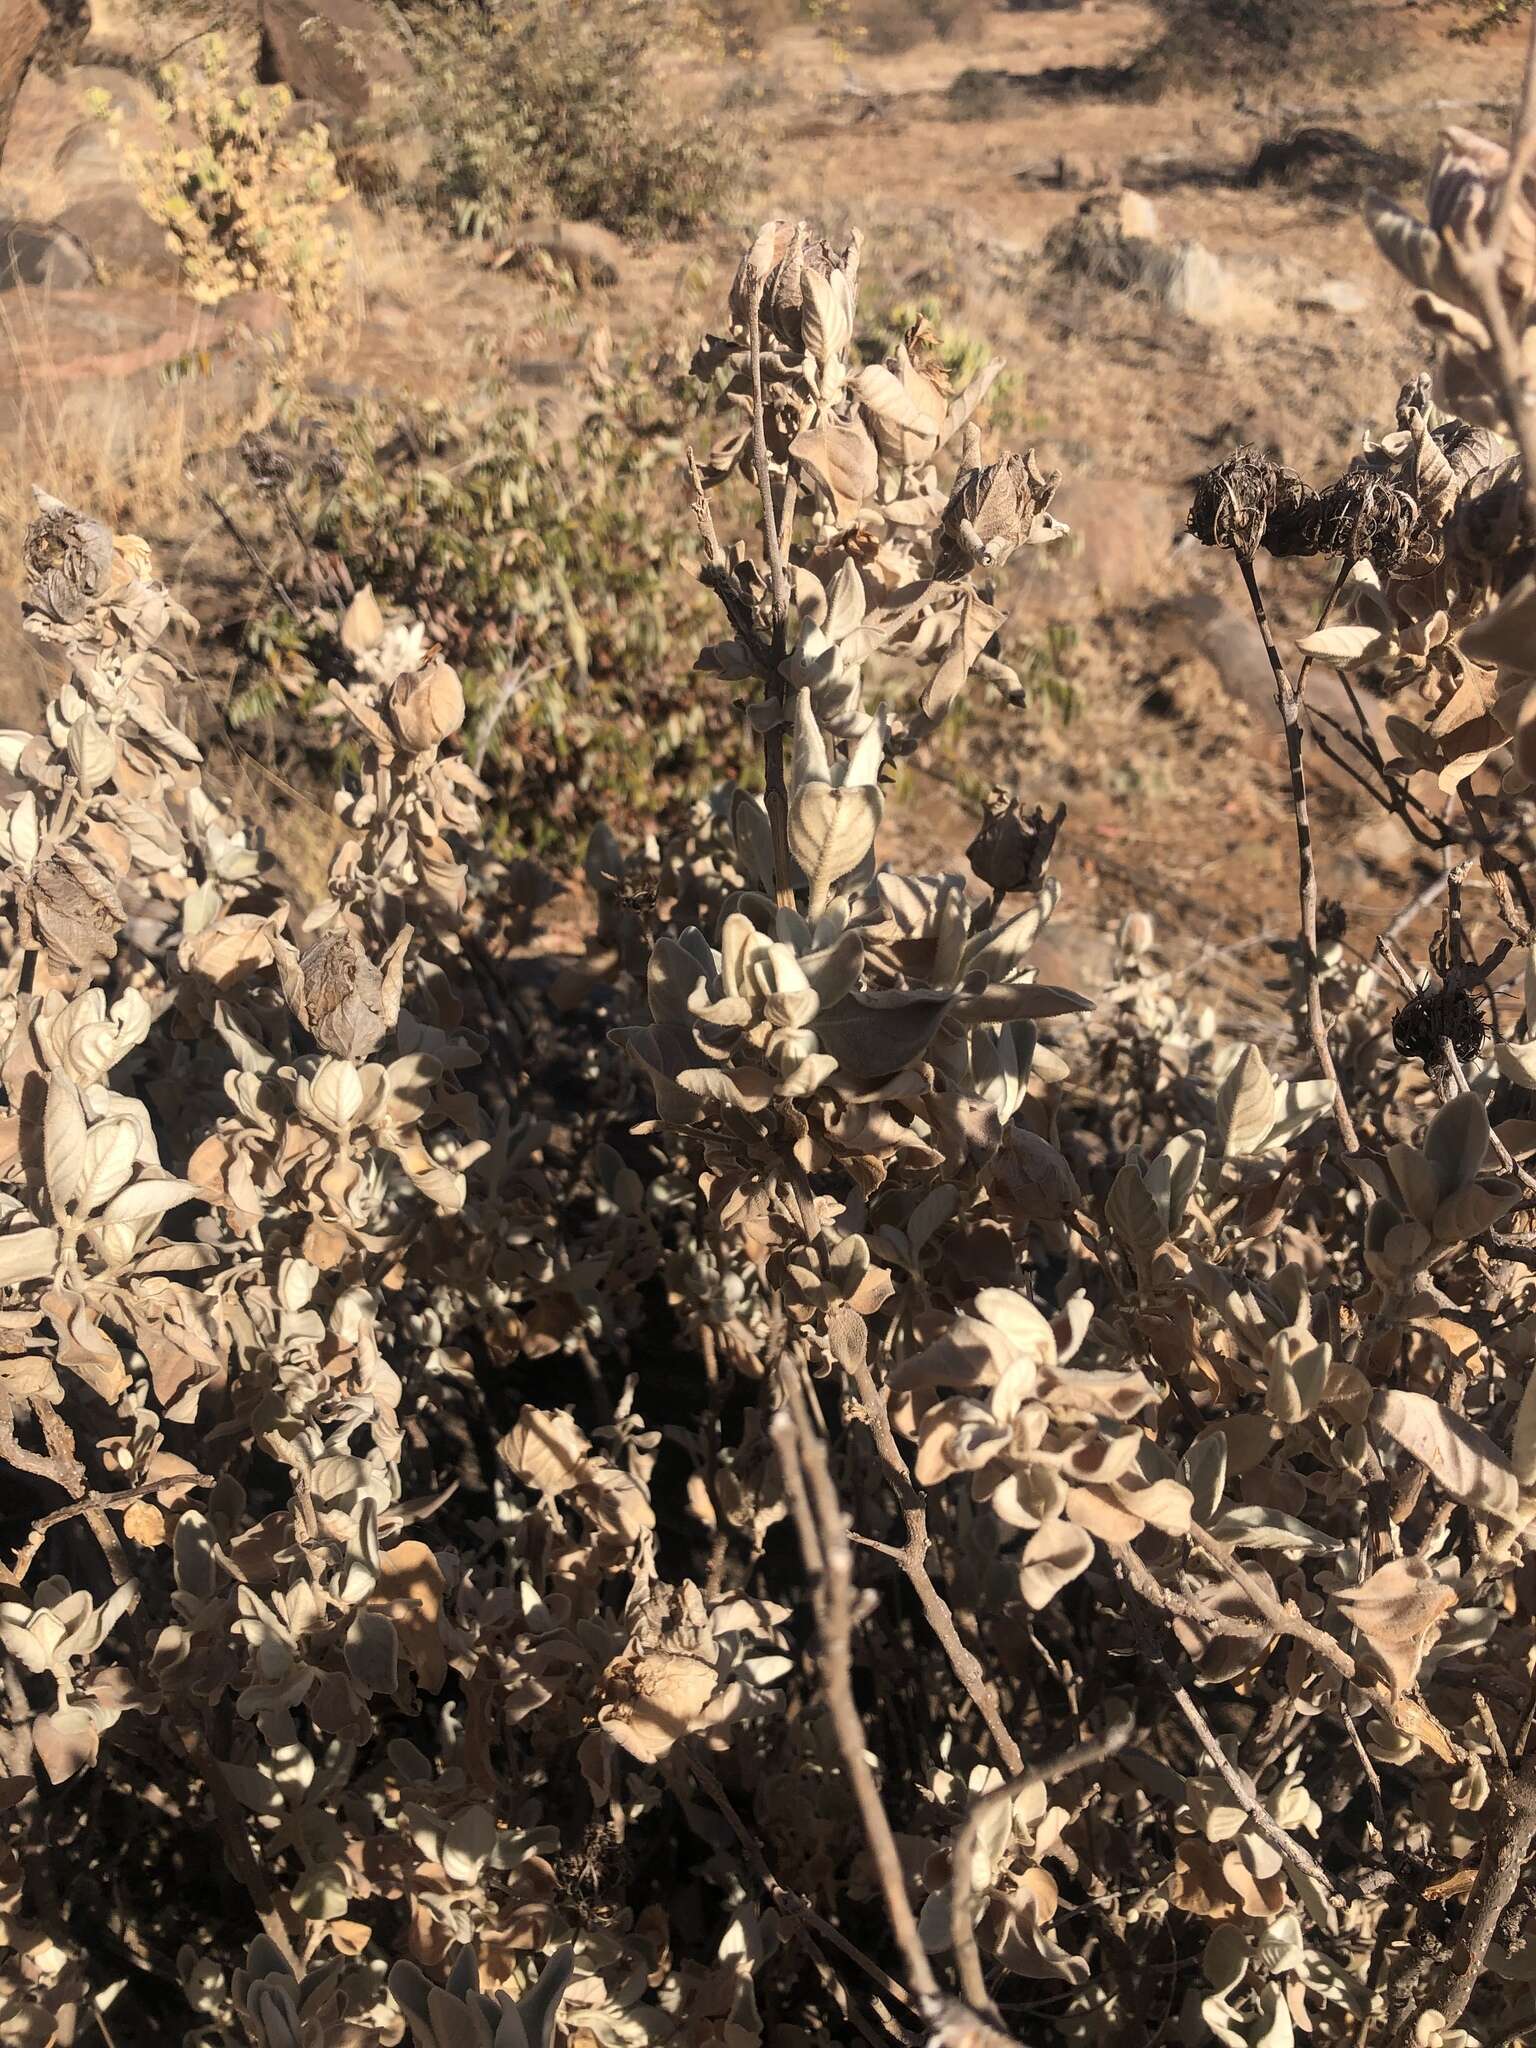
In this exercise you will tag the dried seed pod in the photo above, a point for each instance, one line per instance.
(73, 909)
(328, 468)
(1012, 850)
(68, 560)
(345, 1001)
(267, 465)
(1426, 1021)
(776, 265)
(1332, 922)
(1488, 518)
(1469, 450)
(426, 707)
(991, 510)
(1363, 515)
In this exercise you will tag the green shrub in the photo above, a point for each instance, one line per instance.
(554, 578)
(537, 105)
(245, 198)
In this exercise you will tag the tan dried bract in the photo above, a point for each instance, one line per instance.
(992, 510)
(1012, 850)
(68, 561)
(74, 910)
(346, 1000)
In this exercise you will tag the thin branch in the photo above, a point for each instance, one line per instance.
(1283, 1615)
(1372, 1778)
(1393, 796)
(1173, 1602)
(786, 1900)
(1289, 699)
(1238, 1783)
(92, 1502)
(242, 1858)
(849, 1340)
(270, 580)
(823, 1535)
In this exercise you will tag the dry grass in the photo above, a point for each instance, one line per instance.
(126, 446)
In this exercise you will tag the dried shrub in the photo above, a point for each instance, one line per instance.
(1265, 43)
(792, 1478)
(887, 27)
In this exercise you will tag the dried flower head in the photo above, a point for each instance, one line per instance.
(1449, 1014)
(68, 561)
(800, 284)
(70, 907)
(995, 508)
(1011, 850)
(1236, 502)
(346, 1000)
(426, 706)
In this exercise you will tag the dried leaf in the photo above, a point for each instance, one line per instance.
(66, 1741)
(840, 456)
(1133, 1215)
(362, 625)
(1245, 1105)
(1398, 1609)
(27, 1255)
(1054, 1556)
(1343, 646)
(545, 1449)
(1461, 1458)
(63, 1144)
(1456, 1143)
(144, 1524)
(831, 830)
(978, 623)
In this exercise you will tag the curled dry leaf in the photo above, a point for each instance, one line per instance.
(1398, 1610)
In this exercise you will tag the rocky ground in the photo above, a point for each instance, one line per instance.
(1168, 277)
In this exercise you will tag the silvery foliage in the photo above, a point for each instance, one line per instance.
(451, 1695)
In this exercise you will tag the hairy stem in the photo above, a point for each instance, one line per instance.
(775, 793)
(823, 1532)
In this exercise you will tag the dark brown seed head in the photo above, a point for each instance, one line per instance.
(1012, 848)
(1236, 502)
(1435, 1016)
